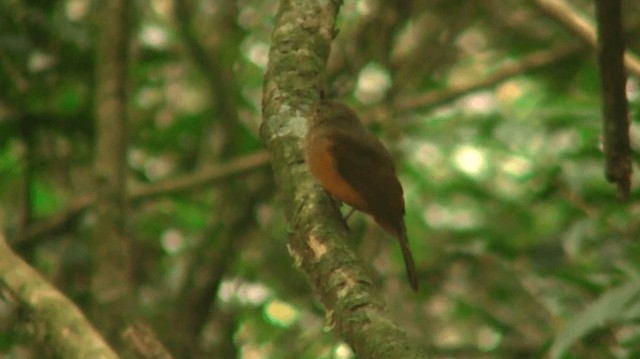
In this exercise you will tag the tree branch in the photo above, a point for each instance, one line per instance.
(529, 63)
(143, 341)
(617, 147)
(577, 24)
(300, 44)
(202, 178)
(216, 62)
(111, 280)
(58, 322)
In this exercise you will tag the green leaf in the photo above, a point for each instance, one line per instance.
(609, 307)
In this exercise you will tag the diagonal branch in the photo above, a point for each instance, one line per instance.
(203, 178)
(300, 44)
(192, 182)
(58, 322)
(577, 24)
(529, 63)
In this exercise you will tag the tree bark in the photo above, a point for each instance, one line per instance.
(57, 322)
(111, 278)
(300, 45)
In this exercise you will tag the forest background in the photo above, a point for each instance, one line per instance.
(135, 182)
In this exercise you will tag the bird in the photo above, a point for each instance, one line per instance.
(353, 166)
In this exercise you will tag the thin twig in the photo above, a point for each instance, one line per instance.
(529, 63)
(202, 178)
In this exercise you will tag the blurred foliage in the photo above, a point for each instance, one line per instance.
(522, 244)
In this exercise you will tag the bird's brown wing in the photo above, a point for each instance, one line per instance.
(367, 166)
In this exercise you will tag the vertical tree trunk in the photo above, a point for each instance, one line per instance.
(111, 277)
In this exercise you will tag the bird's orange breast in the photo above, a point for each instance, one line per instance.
(322, 165)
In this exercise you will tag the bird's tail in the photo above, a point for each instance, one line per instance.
(408, 260)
